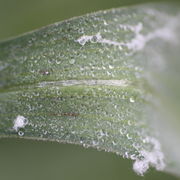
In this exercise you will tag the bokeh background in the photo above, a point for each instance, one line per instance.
(18, 16)
(36, 160)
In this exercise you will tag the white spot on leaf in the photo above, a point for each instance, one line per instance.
(154, 158)
(139, 41)
(20, 122)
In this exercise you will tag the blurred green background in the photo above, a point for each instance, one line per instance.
(18, 16)
(36, 160)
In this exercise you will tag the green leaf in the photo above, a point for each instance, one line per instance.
(107, 80)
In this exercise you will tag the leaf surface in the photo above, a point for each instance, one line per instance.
(106, 80)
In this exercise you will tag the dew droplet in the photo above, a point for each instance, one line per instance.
(131, 99)
(111, 67)
(20, 133)
(122, 131)
(129, 123)
(128, 136)
(72, 61)
(114, 143)
(58, 62)
(133, 157)
(105, 23)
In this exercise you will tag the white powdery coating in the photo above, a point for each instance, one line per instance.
(155, 158)
(139, 41)
(20, 122)
(84, 39)
(97, 39)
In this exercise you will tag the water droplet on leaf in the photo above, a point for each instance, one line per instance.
(131, 100)
(20, 133)
(72, 61)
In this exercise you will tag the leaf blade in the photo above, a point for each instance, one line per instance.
(83, 81)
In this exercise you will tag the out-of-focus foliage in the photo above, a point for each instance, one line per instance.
(18, 16)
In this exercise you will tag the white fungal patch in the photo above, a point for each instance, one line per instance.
(84, 39)
(136, 28)
(97, 39)
(155, 158)
(20, 122)
(139, 41)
